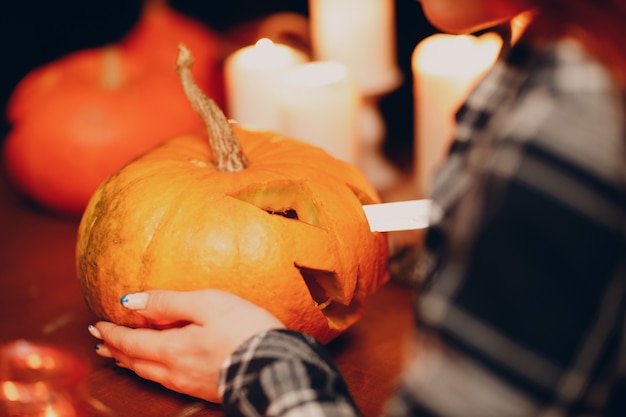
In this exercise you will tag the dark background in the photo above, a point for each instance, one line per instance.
(33, 33)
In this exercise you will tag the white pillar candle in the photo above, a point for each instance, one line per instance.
(445, 68)
(320, 104)
(253, 76)
(361, 34)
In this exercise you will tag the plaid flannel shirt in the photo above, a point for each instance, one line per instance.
(522, 309)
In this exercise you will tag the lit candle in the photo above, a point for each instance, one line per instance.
(361, 34)
(519, 24)
(320, 104)
(253, 76)
(445, 68)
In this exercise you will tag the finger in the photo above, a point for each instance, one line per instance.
(122, 360)
(162, 374)
(163, 305)
(175, 378)
(94, 332)
(103, 350)
(146, 344)
(154, 371)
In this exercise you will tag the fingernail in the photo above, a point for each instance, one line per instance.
(102, 350)
(135, 301)
(120, 364)
(94, 332)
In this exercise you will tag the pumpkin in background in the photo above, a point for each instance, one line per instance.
(80, 118)
(272, 219)
(159, 31)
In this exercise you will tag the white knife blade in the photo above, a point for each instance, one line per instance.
(398, 215)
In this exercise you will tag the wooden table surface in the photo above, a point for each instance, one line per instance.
(40, 301)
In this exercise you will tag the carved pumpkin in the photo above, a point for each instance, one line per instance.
(272, 219)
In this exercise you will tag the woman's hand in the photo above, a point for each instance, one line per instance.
(183, 358)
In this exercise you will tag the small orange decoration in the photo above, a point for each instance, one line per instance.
(271, 219)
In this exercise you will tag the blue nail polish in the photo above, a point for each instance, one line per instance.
(135, 300)
(96, 347)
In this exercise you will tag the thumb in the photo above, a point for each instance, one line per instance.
(161, 306)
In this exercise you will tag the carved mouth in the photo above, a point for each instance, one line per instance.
(323, 288)
(294, 201)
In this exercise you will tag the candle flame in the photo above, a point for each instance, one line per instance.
(264, 44)
(267, 55)
(519, 24)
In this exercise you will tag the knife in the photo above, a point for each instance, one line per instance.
(398, 215)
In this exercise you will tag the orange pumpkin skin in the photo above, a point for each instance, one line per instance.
(170, 220)
(73, 126)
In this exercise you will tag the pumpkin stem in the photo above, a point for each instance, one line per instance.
(227, 153)
(111, 77)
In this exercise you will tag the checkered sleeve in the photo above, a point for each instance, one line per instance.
(283, 373)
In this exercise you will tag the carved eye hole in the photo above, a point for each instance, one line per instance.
(289, 213)
(288, 199)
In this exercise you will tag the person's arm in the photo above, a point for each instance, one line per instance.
(261, 368)
(185, 358)
(283, 373)
(522, 311)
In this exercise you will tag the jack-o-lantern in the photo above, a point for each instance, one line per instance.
(272, 219)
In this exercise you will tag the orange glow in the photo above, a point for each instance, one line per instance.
(10, 391)
(34, 361)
